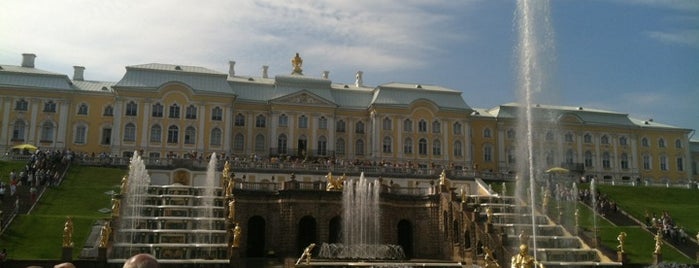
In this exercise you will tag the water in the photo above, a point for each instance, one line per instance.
(134, 198)
(208, 198)
(361, 225)
(534, 41)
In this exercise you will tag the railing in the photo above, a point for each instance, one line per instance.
(294, 185)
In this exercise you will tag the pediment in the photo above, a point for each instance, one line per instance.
(303, 98)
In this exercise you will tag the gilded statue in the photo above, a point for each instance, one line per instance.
(490, 261)
(124, 180)
(231, 209)
(523, 259)
(296, 63)
(68, 232)
(236, 235)
(307, 253)
(621, 238)
(116, 205)
(104, 235)
(489, 214)
(443, 178)
(334, 184)
(658, 243)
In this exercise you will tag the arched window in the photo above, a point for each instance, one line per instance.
(568, 137)
(157, 110)
(408, 125)
(239, 120)
(487, 133)
(283, 120)
(678, 143)
(303, 121)
(359, 127)
(422, 146)
(623, 141)
(457, 128)
(82, 109)
(422, 126)
(259, 143)
(436, 148)
(661, 143)
(408, 146)
(587, 138)
(174, 111)
(647, 162)
(663, 163)
(190, 112)
(190, 135)
(645, 143)
(156, 133)
(624, 161)
(216, 136)
(108, 111)
(18, 130)
(322, 146)
(21, 105)
(340, 126)
(387, 123)
(80, 134)
(130, 132)
(359, 147)
(588, 159)
(47, 132)
(570, 157)
(606, 160)
(386, 144)
(340, 146)
(436, 127)
(322, 123)
(282, 144)
(604, 139)
(238, 142)
(173, 133)
(216, 114)
(50, 107)
(458, 150)
(260, 121)
(131, 109)
(488, 153)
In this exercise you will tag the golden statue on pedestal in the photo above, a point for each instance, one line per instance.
(523, 259)
(124, 181)
(621, 238)
(68, 233)
(334, 184)
(296, 62)
(443, 178)
(236, 236)
(231, 209)
(658, 243)
(489, 215)
(104, 235)
(490, 261)
(116, 206)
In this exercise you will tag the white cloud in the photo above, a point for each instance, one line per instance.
(682, 37)
(105, 36)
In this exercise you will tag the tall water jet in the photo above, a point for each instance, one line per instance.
(534, 41)
(208, 198)
(134, 198)
(361, 225)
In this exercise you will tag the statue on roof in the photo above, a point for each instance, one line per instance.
(296, 62)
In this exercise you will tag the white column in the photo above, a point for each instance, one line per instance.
(201, 130)
(33, 121)
(145, 129)
(373, 131)
(227, 127)
(62, 123)
(5, 106)
(116, 128)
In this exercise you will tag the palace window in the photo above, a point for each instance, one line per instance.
(21, 105)
(322, 146)
(422, 126)
(173, 133)
(663, 163)
(156, 133)
(606, 161)
(436, 148)
(340, 146)
(458, 150)
(217, 114)
(283, 120)
(239, 120)
(568, 137)
(387, 123)
(408, 125)
(645, 143)
(50, 107)
(238, 142)
(661, 143)
(303, 121)
(259, 143)
(488, 153)
(587, 138)
(322, 123)
(408, 146)
(260, 121)
(436, 127)
(386, 144)
(487, 133)
(174, 111)
(190, 135)
(340, 126)
(359, 147)
(191, 112)
(624, 161)
(359, 127)
(422, 146)
(130, 132)
(18, 130)
(47, 132)
(604, 139)
(82, 109)
(588, 159)
(647, 162)
(108, 111)
(570, 157)
(678, 144)
(131, 109)
(623, 141)
(80, 134)
(281, 144)
(216, 137)
(458, 128)
(680, 164)
(157, 110)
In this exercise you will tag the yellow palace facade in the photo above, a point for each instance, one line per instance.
(178, 111)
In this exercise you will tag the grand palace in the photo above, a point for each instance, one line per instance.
(180, 111)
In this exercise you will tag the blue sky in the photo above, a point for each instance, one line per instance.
(639, 57)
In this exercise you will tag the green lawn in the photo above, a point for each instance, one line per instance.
(82, 194)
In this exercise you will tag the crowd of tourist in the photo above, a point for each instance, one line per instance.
(667, 226)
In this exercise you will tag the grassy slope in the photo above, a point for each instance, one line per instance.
(82, 194)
